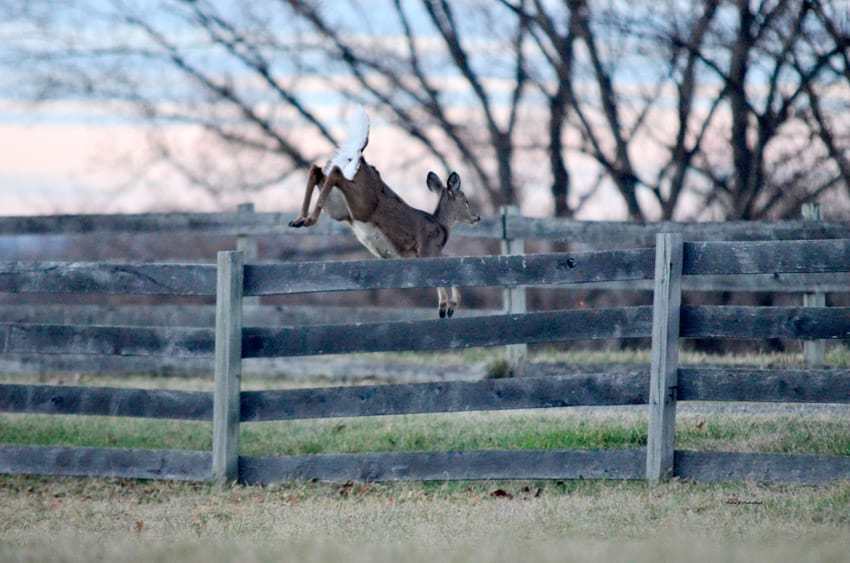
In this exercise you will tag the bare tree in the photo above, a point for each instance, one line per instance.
(727, 108)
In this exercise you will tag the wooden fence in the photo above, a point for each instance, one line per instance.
(509, 227)
(660, 387)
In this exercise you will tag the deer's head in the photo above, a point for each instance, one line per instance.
(453, 206)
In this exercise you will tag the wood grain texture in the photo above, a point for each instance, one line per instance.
(667, 301)
(764, 385)
(106, 401)
(627, 232)
(455, 396)
(181, 465)
(220, 223)
(623, 322)
(792, 256)
(445, 466)
(107, 277)
(204, 315)
(513, 298)
(469, 271)
(107, 341)
(228, 367)
(762, 467)
(766, 322)
(814, 351)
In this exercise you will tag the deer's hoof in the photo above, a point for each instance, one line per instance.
(442, 311)
(450, 311)
(298, 222)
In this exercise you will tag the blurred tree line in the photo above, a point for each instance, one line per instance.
(723, 109)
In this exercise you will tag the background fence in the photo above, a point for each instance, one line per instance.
(660, 386)
(510, 228)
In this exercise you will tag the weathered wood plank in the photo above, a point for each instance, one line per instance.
(804, 323)
(107, 341)
(445, 466)
(791, 256)
(179, 465)
(228, 368)
(258, 342)
(623, 322)
(513, 298)
(624, 232)
(220, 223)
(591, 389)
(106, 401)
(762, 467)
(757, 283)
(814, 351)
(764, 385)
(204, 315)
(469, 271)
(106, 277)
(667, 301)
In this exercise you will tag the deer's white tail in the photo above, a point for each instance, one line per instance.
(347, 156)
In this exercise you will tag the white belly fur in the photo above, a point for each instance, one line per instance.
(374, 240)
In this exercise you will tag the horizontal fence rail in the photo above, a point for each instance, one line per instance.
(106, 401)
(216, 223)
(441, 466)
(258, 342)
(591, 388)
(498, 330)
(97, 277)
(423, 466)
(505, 271)
(179, 465)
(796, 256)
(625, 232)
(806, 323)
(709, 258)
(515, 227)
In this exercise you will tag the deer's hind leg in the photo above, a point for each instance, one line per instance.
(314, 178)
(430, 248)
(454, 302)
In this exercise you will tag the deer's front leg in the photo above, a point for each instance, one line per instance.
(332, 180)
(443, 302)
(454, 302)
(314, 178)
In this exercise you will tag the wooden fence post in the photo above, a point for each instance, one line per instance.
(667, 301)
(814, 351)
(228, 367)
(247, 244)
(513, 299)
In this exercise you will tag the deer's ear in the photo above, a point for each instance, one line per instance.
(434, 183)
(453, 183)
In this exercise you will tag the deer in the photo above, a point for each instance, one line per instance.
(353, 192)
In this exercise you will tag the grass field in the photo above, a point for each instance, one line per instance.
(77, 519)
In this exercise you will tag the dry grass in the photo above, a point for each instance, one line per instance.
(87, 519)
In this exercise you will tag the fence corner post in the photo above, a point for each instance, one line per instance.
(814, 351)
(513, 298)
(666, 313)
(228, 367)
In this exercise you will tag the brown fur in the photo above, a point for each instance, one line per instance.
(412, 232)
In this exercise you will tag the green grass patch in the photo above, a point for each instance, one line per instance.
(562, 429)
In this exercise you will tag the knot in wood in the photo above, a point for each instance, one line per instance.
(568, 263)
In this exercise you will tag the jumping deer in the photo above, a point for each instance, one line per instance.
(352, 191)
